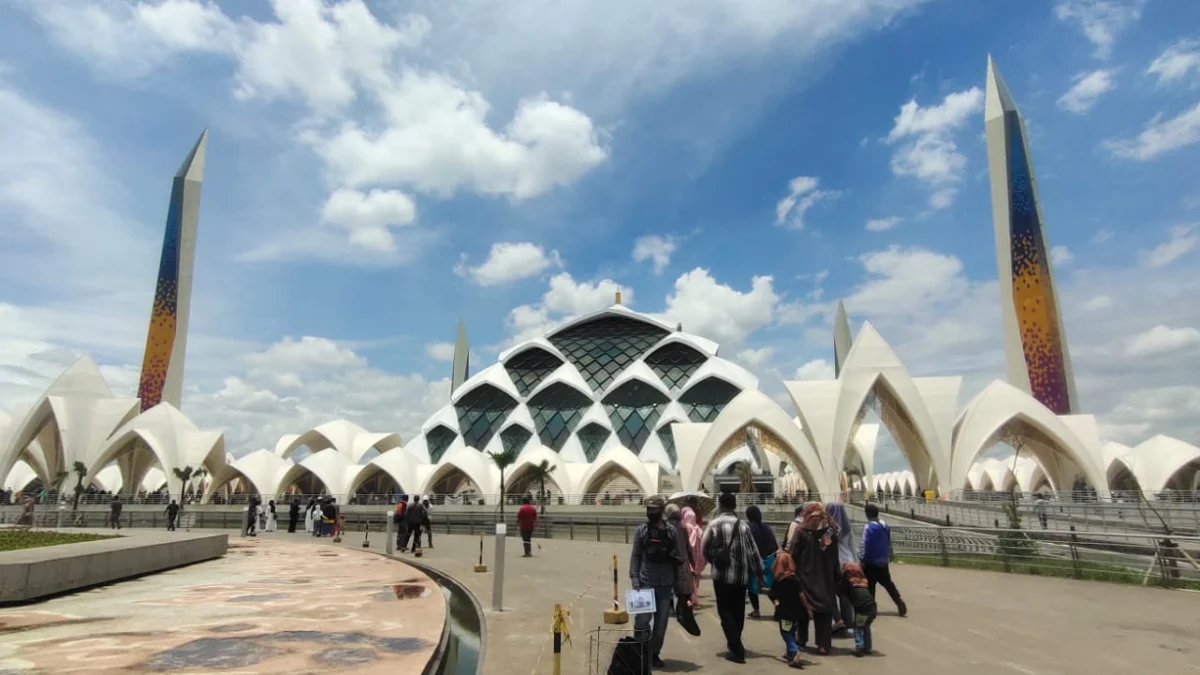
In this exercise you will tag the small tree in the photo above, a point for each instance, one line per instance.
(185, 476)
(198, 477)
(503, 460)
(80, 473)
(539, 474)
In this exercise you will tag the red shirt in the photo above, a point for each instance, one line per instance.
(527, 516)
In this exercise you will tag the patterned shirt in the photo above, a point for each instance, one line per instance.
(745, 563)
(650, 574)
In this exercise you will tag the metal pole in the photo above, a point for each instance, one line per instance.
(479, 566)
(390, 543)
(616, 616)
(498, 577)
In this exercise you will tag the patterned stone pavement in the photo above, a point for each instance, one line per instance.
(268, 607)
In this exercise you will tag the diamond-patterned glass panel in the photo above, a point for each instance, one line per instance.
(592, 437)
(530, 367)
(668, 442)
(674, 363)
(707, 398)
(602, 348)
(555, 411)
(437, 441)
(634, 409)
(481, 412)
(514, 438)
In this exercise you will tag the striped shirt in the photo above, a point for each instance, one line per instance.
(745, 563)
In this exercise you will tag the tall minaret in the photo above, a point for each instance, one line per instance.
(461, 368)
(1035, 342)
(842, 339)
(166, 339)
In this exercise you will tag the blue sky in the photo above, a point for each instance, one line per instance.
(375, 171)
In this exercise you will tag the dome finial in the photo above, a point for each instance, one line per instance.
(618, 295)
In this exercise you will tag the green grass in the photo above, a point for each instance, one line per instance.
(1048, 567)
(18, 539)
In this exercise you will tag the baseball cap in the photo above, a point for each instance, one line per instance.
(655, 502)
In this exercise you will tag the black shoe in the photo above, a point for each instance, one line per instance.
(657, 662)
(734, 658)
(903, 608)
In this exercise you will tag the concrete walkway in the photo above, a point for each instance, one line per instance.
(960, 620)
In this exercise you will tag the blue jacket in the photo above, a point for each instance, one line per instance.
(876, 543)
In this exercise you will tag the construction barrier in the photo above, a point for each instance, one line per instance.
(616, 616)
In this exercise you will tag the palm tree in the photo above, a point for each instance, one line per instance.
(185, 476)
(540, 473)
(504, 460)
(199, 477)
(80, 472)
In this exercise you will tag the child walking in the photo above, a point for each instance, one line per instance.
(786, 594)
(854, 585)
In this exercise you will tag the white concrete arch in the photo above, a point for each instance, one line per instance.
(560, 478)
(283, 447)
(1155, 461)
(618, 458)
(171, 437)
(614, 311)
(537, 343)
(399, 466)
(262, 469)
(474, 465)
(640, 372)
(753, 408)
(701, 344)
(1059, 451)
(723, 370)
(566, 375)
(334, 469)
(19, 477)
(495, 375)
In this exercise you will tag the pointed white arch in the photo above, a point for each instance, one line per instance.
(615, 311)
(472, 464)
(534, 457)
(566, 374)
(495, 375)
(1001, 406)
(262, 469)
(400, 466)
(171, 437)
(752, 407)
(618, 458)
(1155, 461)
(537, 343)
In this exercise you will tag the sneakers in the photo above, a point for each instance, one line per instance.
(734, 658)
(902, 607)
(657, 662)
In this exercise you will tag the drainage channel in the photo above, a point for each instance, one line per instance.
(464, 644)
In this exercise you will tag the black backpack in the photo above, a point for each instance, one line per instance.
(630, 657)
(658, 546)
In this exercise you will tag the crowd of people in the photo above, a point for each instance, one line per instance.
(818, 576)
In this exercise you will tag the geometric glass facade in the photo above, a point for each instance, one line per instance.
(707, 398)
(556, 410)
(481, 413)
(592, 437)
(668, 442)
(530, 367)
(602, 348)
(674, 363)
(634, 409)
(438, 440)
(514, 438)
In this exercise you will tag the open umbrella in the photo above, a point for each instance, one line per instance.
(704, 502)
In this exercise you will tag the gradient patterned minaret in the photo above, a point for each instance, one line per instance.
(460, 370)
(1035, 343)
(842, 339)
(166, 340)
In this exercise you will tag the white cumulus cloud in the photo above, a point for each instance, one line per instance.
(881, 224)
(926, 149)
(1101, 21)
(1176, 63)
(1160, 136)
(658, 250)
(803, 194)
(1163, 340)
(369, 216)
(508, 261)
(1180, 241)
(1087, 90)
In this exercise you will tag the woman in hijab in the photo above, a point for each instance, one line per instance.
(768, 546)
(815, 551)
(794, 527)
(272, 518)
(308, 515)
(846, 554)
(674, 518)
(695, 537)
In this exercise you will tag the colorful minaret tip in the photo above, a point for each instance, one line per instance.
(166, 340)
(1035, 342)
(842, 338)
(460, 370)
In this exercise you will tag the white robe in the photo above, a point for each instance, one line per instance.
(308, 520)
(271, 521)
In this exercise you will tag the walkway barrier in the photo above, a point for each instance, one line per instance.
(616, 616)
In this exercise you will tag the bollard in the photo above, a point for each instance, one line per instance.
(498, 576)
(62, 509)
(389, 545)
(561, 630)
(616, 616)
(367, 535)
(479, 566)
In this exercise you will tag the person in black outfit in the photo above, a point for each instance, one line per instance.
(790, 611)
(172, 515)
(252, 517)
(414, 519)
(114, 514)
(294, 514)
(854, 585)
(764, 538)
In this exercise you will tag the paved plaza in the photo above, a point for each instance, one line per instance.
(268, 606)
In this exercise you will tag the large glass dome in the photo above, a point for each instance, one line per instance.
(615, 377)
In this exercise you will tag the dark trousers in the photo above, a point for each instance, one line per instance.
(527, 541)
(802, 628)
(401, 535)
(292, 523)
(882, 575)
(753, 593)
(823, 630)
(170, 522)
(415, 532)
(429, 533)
(845, 613)
(731, 607)
(114, 521)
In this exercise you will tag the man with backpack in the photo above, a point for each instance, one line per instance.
(729, 545)
(877, 557)
(654, 564)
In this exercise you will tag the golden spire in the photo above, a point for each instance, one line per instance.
(618, 295)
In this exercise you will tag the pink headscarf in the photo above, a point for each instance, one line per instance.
(695, 535)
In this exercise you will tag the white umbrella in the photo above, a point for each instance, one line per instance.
(705, 502)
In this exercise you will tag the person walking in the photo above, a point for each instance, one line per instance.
(839, 520)
(272, 520)
(414, 518)
(427, 523)
(655, 564)
(172, 515)
(526, 522)
(790, 613)
(854, 586)
(310, 516)
(815, 551)
(1042, 508)
(293, 514)
(877, 557)
(730, 547)
(695, 537)
(252, 517)
(768, 546)
(114, 513)
(398, 521)
(684, 590)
